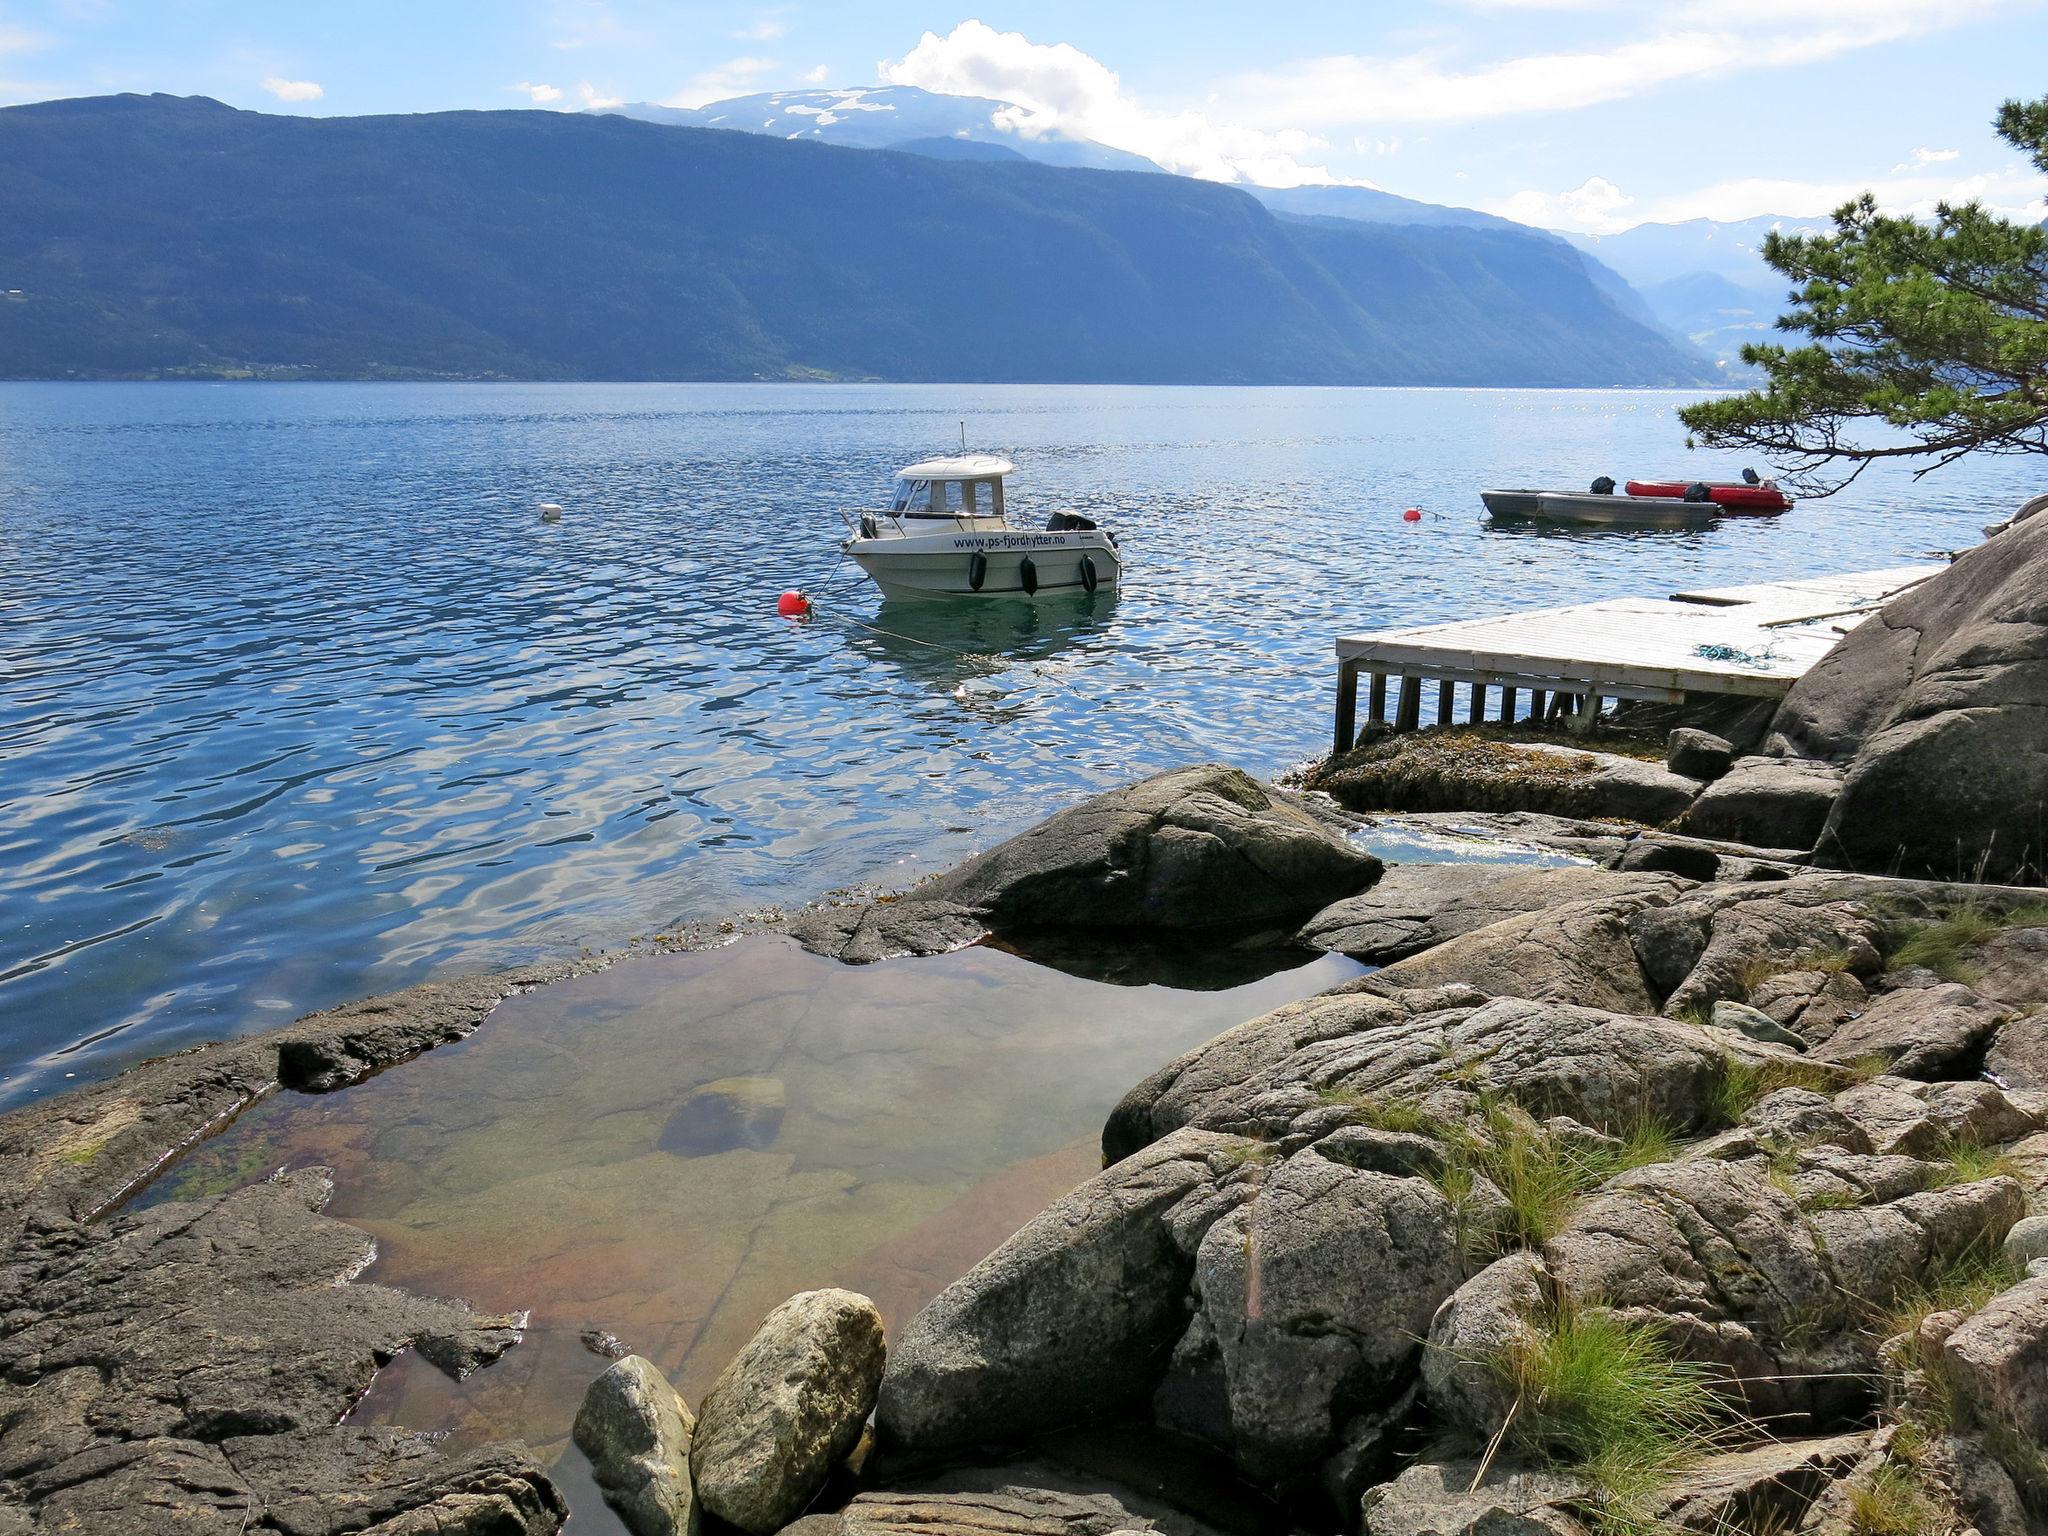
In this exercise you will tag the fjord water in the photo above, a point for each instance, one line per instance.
(300, 701)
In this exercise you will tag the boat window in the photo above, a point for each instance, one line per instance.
(968, 497)
(907, 492)
(946, 496)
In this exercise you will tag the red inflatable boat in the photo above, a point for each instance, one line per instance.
(1736, 498)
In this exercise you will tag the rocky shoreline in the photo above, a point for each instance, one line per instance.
(1692, 1186)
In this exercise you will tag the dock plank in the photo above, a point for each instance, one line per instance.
(1755, 640)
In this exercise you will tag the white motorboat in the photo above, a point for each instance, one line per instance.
(945, 533)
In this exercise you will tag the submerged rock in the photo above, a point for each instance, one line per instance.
(636, 1431)
(727, 1113)
(1205, 847)
(788, 1409)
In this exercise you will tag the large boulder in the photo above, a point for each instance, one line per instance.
(1935, 705)
(1926, 1032)
(787, 1409)
(1307, 1069)
(1205, 847)
(1998, 1360)
(1415, 906)
(1575, 952)
(1312, 1300)
(1075, 1315)
(636, 1431)
(1767, 803)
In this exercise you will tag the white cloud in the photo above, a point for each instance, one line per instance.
(1703, 38)
(293, 90)
(818, 75)
(1923, 157)
(597, 100)
(1595, 204)
(1598, 207)
(541, 95)
(763, 29)
(735, 77)
(1058, 89)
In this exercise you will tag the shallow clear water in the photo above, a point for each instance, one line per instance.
(299, 701)
(895, 1122)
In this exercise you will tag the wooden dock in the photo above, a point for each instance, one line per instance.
(1567, 662)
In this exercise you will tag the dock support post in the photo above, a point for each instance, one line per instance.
(1507, 706)
(1376, 704)
(1347, 707)
(1408, 711)
(1446, 703)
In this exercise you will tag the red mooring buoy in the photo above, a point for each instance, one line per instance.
(1412, 515)
(793, 605)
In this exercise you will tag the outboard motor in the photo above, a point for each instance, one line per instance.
(1604, 486)
(1751, 477)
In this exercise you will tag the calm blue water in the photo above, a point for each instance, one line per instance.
(299, 701)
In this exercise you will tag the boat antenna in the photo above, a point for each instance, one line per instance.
(963, 437)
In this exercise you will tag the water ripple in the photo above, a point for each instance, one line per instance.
(299, 700)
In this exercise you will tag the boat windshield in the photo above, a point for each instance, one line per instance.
(949, 498)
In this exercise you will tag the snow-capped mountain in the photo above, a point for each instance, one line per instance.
(891, 117)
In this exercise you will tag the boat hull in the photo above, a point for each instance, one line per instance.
(1590, 511)
(942, 565)
(1510, 504)
(1756, 500)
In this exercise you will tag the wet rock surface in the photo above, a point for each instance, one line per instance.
(636, 1431)
(197, 1356)
(1451, 771)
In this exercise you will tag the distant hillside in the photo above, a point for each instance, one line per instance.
(160, 235)
(1705, 279)
(889, 117)
(1369, 205)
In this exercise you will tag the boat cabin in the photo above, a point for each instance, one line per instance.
(967, 489)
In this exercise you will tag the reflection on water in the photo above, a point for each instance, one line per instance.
(300, 701)
(666, 1149)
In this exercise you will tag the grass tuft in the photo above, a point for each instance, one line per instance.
(1543, 1176)
(1964, 1160)
(1394, 1114)
(1893, 1503)
(1741, 1084)
(1609, 1399)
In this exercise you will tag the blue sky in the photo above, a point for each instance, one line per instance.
(1583, 114)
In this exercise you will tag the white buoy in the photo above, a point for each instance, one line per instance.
(550, 512)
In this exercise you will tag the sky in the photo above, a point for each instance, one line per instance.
(1588, 115)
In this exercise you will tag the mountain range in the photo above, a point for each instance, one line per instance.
(152, 236)
(1701, 280)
